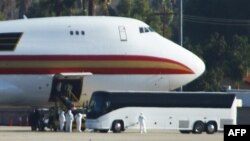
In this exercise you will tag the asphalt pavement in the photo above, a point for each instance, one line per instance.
(8, 133)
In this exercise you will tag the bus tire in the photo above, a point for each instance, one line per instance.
(103, 131)
(198, 127)
(211, 127)
(117, 126)
(185, 131)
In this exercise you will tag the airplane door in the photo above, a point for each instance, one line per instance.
(60, 83)
(123, 34)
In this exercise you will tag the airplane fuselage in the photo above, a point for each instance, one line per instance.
(120, 54)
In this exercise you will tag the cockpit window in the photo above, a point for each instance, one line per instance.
(141, 29)
(145, 29)
(151, 29)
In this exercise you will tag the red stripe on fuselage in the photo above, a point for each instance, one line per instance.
(85, 58)
(93, 70)
(98, 58)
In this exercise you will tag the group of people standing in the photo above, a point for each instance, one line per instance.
(65, 94)
(66, 121)
(39, 120)
(36, 120)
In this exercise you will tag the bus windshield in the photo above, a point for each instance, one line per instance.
(99, 105)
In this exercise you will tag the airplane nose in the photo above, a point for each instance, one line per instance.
(189, 63)
(191, 60)
(198, 67)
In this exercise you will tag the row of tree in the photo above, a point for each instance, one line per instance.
(158, 14)
(224, 59)
(218, 32)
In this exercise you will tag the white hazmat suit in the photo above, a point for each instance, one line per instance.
(69, 121)
(141, 120)
(78, 122)
(62, 120)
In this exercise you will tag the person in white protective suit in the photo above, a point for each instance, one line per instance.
(62, 120)
(69, 121)
(78, 117)
(141, 120)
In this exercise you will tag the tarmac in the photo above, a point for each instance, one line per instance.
(12, 133)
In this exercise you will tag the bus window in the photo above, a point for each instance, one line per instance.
(98, 106)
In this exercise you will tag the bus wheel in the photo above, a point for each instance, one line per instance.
(198, 127)
(211, 127)
(184, 131)
(117, 126)
(103, 131)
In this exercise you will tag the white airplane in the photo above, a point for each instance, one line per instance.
(89, 53)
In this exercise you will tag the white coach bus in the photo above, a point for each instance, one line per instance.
(186, 111)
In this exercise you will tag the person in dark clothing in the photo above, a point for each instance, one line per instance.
(41, 123)
(34, 119)
(67, 96)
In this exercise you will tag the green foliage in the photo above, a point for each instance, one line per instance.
(47, 8)
(124, 8)
(223, 58)
(140, 9)
(155, 22)
(2, 17)
(224, 48)
(222, 9)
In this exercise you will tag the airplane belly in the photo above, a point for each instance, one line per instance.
(35, 90)
(25, 90)
(133, 83)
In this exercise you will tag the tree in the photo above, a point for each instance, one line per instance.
(22, 6)
(238, 58)
(140, 9)
(84, 10)
(2, 17)
(213, 53)
(124, 8)
(224, 60)
(226, 10)
(46, 8)
(164, 9)
(91, 7)
(104, 7)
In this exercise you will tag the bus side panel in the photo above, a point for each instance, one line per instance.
(166, 118)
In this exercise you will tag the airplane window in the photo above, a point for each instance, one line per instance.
(77, 32)
(83, 32)
(141, 29)
(146, 29)
(71, 32)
